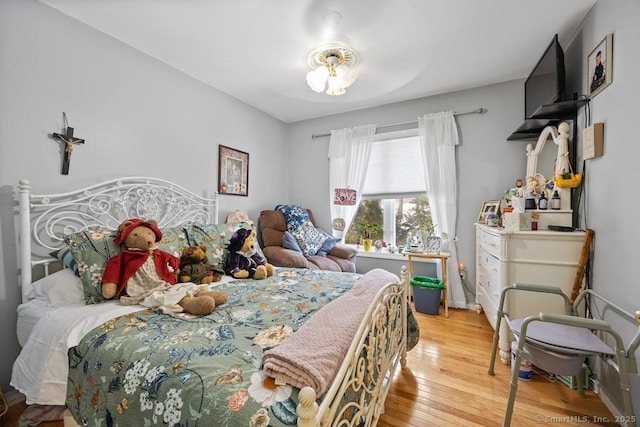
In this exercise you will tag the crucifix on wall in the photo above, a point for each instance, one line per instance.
(69, 141)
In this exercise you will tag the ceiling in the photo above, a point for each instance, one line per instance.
(256, 50)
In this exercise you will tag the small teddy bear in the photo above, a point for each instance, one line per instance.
(194, 266)
(243, 261)
(143, 274)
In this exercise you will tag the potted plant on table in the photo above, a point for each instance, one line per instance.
(368, 230)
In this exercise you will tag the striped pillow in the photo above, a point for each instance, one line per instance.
(67, 259)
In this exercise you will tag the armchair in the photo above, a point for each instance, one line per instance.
(272, 226)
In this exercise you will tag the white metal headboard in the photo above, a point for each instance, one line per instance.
(45, 219)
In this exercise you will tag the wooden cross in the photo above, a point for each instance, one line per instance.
(68, 140)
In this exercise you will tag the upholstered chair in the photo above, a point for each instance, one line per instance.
(282, 252)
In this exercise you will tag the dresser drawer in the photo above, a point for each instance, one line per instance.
(490, 309)
(489, 262)
(490, 285)
(489, 242)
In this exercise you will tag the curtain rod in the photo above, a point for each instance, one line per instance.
(479, 110)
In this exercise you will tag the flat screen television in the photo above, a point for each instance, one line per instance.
(546, 83)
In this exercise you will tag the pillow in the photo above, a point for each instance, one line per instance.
(295, 216)
(310, 238)
(59, 288)
(216, 238)
(290, 242)
(328, 244)
(66, 257)
(92, 249)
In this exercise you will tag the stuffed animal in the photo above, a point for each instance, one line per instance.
(243, 261)
(143, 274)
(194, 266)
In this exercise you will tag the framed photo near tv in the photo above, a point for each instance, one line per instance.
(600, 66)
(233, 171)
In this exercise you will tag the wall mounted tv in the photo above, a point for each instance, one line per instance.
(546, 83)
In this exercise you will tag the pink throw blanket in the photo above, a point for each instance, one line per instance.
(313, 354)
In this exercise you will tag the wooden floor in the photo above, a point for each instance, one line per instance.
(446, 384)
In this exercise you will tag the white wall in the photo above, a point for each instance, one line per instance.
(611, 181)
(488, 164)
(137, 115)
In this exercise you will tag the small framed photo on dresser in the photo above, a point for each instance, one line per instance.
(488, 207)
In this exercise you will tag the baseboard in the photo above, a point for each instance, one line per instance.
(461, 304)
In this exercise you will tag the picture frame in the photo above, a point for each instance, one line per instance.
(233, 171)
(488, 206)
(600, 66)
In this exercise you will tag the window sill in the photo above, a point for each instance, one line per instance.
(384, 254)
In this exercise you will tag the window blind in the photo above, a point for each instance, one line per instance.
(395, 169)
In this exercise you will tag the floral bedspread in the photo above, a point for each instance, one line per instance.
(147, 368)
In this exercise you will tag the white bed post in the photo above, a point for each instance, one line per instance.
(404, 280)
(307, 408)
(24, 193)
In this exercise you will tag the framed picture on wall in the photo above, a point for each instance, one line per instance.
(233, 171)
(600, 66)
(488, 207)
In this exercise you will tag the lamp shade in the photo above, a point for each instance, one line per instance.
(346, 75)
(335, 86)
(317, 78)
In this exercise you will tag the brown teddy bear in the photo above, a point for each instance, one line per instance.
(243, 261)
(143, 274)
(194, 266)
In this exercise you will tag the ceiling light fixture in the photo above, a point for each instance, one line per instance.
(333, 68)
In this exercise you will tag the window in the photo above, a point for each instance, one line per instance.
(394, 193)
(398, 218)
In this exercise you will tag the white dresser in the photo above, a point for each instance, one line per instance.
(537, 257)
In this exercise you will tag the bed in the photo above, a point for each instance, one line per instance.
(301, 347)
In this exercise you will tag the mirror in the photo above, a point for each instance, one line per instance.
(546, 158)
(546, 164)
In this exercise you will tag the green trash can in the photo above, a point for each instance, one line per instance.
(427, 292)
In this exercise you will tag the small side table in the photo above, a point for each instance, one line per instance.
(443, 257)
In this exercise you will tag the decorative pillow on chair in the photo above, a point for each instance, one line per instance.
(310, 238)
(295, 216)
(290, 242)
(328, 244)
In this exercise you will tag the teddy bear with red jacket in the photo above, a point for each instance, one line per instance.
(144, 274)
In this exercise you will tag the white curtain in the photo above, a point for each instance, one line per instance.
(349, 153)
(438, 139)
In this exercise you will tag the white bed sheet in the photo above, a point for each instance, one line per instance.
(28, 315)
(41, 369)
